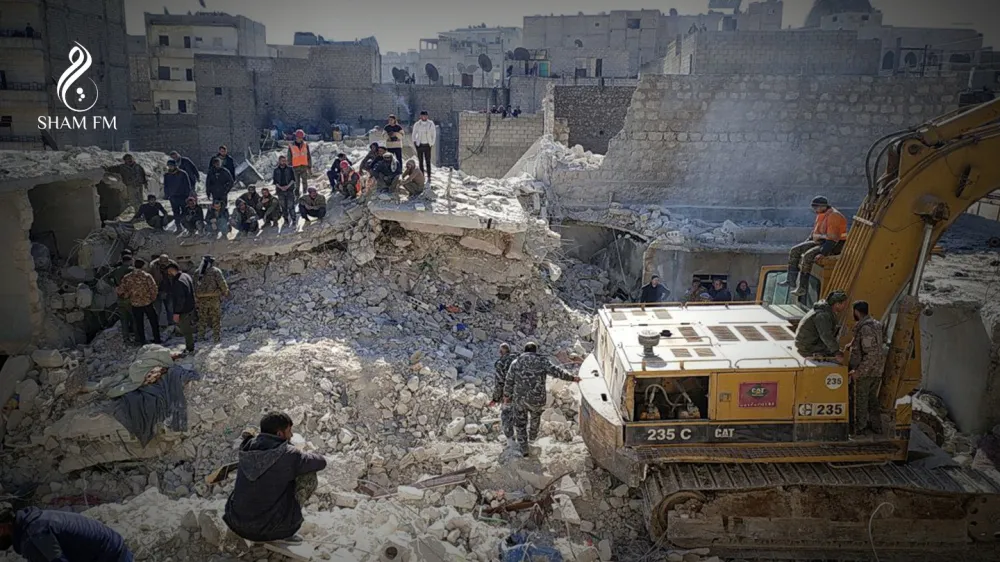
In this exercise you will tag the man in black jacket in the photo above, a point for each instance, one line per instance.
(186, 164)
(182, 297)
(227, 161)
(218, 182)
(152, 212)
(653, 291)
(288, 193)
(273, 479)
(49, 535)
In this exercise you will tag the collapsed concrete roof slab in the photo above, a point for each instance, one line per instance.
(492, 212)
(84, 177)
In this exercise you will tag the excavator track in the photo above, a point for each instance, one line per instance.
(822, 511)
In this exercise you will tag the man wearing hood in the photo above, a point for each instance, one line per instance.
(271, 478)
(816, 335)
(59, 536)
(218, 182)
(177, 187)
(743, 292)
(245, 218)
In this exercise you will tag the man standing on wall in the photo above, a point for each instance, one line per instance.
(424, 137)
(301, 159)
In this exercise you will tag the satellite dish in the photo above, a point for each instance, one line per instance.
(521, 53)
(461, 68)
(432, 72)
(471, 68)
(485, 63)
(397, 75)
(578, 43)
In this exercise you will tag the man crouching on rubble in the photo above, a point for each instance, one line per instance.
(273, 480)
(57, 536)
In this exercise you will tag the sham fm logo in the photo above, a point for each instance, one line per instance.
(75, 94)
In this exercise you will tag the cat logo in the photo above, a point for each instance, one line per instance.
(757, 391)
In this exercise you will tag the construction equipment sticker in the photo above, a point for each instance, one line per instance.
(758, 394)
(77, 95)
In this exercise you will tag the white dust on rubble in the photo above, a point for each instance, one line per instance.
(18, 164)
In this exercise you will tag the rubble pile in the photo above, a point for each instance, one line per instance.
(17, 164)
(658, 223)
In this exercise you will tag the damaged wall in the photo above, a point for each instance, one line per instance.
(676, 265)
(488, 145)
(20, 301)
(594, 114)
(770, 142)
(65, 212)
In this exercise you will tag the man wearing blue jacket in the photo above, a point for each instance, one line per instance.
(177, 187)
(59, 536)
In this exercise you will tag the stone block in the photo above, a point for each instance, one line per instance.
(47, 358)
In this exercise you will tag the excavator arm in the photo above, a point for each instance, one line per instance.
(932, 174)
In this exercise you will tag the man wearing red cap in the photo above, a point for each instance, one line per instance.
(301, 160)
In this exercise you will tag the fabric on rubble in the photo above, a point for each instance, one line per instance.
(519, 548)
(163, 401)
(149, 357)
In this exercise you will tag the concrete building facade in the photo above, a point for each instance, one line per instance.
(455, 54)
(32, 59)
(174, 40)
(408, 61)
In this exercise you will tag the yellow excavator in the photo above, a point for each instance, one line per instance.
(741, 444)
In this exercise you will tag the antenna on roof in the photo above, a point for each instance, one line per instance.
(165, 12)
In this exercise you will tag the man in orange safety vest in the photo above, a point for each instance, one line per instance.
(301, 161)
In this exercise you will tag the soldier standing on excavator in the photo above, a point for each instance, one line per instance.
(866, 362)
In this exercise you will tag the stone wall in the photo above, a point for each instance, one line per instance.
(164, 133)
(20, 299)
(790, 52)
(593, 114)
(488, 146)
(66, 211)
(752, 142)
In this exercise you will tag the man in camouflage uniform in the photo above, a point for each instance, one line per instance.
(524, 388)
(816, 335)
(866, 363)
(209, 289)
(140, 289)
(502, 366)
(124, 306)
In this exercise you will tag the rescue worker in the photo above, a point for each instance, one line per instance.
(866, 362)
(217, 218)
(743, 292)
(158, 269)
(301, 160)
(140, 289)
(59, 536)
(385, 172)
(133, 176)
(177, 187)
(288, 192)
(227, 161)
(270, 209)
(719, 291)
(124, 307)
(182, 296)
(393, 133)
(194, 217)
(273, 479)
(411, 180)
(524, 387)
(653, 291)
(186, 164)
(828, 237)
(350, 181)
(312, 205)
(152, 212)
(502, 367)
(218, 182)
(210, 288)
(424, 137)
(333, 174)
(816, 335)
(370, 158)
(252, 198)
(245, 218)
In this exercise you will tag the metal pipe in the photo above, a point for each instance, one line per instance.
(918, 273)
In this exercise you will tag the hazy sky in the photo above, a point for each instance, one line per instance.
(400, 24)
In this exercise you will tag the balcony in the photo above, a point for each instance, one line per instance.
(172, 86)
(19, 39)
(171, 52)
(24, 92)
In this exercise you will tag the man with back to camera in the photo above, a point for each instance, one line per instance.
(42, 535)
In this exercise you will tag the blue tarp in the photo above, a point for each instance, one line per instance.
(517, 548)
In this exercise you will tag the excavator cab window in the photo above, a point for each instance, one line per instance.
(780, 295)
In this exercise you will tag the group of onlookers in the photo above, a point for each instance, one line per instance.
(700, 290)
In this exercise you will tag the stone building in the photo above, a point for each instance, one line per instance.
(174, 40)
(455, 55)
(36, 39)
(408, 61)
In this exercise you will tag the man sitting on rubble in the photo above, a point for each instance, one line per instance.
(245, 218)
(385, 172)
(372, 157)
(217, 218)
(312, 205)
(152, 212)
(251, 198)
(816, 335)
(273, 480)
(349, 182)
(193, 218)
(525, 389)
(333, 174)
(59, 536)
(411, 180)
(270, 208)
(827, 239)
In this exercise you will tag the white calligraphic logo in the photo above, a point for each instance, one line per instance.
(80, 62)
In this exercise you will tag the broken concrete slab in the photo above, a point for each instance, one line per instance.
(47, 358)
(507, 216)
(487, 246)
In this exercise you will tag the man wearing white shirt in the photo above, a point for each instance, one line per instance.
(424, 135)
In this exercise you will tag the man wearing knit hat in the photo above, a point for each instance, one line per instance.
(816, 335)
